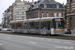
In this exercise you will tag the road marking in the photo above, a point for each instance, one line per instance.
(64, 47)
(20, 36)
(36, 38)
(33, 42)
(57, 41)
(30, 37)
(68, 42)
(42, 38)
(27, 37)
(8, 38)
(49, 39)
(1, 44)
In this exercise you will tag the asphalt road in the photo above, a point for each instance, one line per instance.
(16, 42)
(73, 34)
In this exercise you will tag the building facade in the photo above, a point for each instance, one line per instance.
(7, 17)
(71, 14)
(45, 8)
(19, 9)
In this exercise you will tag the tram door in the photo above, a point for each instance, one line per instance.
(48, 25)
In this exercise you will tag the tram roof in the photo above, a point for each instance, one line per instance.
(44, 18)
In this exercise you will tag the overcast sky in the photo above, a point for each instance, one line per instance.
(4, 4)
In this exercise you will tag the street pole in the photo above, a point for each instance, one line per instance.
(15, 24)
(22, 23)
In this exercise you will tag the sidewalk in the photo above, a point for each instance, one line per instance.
(72, 34)
(4, 31)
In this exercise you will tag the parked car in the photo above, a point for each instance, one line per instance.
(67, 31)
(0, 28)
(4, 29)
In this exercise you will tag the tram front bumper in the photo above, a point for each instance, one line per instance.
(59, 32)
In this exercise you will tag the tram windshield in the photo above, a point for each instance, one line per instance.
(59, 24)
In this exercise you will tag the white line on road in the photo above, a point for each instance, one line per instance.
(8, 38)
(42, 38)
(49, 39)
(30, 37)
(33, 42)
(64, 47)
(68, 42)
(36, 38)
(57, 41)
(1, 44)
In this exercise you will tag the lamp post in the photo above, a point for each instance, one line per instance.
(15, 22)
(22, 23)
(40, 21)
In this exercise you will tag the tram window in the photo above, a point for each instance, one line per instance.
(59, 24)
(25, 25)
(43, 25)
(36, 25)
(20, 26)
(13, 26)
(16, 26)
(31, 25)
(48, 25)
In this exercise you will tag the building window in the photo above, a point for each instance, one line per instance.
(71, 22)
(22, 13)
(60, 14)
(61, 6)
(41, 6)
(17, 13)
(17, 17)
(47, 14)
(23, 18)
(42, 14)
(17, 8)
(57, 6)
(53, 5)
(70, 5)
(15, 4)
(49, 5)
(22, 8)
(55, 14)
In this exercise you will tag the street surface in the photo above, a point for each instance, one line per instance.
(17, 42)
(73, 34)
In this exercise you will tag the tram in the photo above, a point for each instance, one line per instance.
(45, 25)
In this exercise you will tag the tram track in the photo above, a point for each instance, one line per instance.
(44, 36)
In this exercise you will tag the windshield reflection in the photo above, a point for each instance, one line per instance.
(59, 24)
